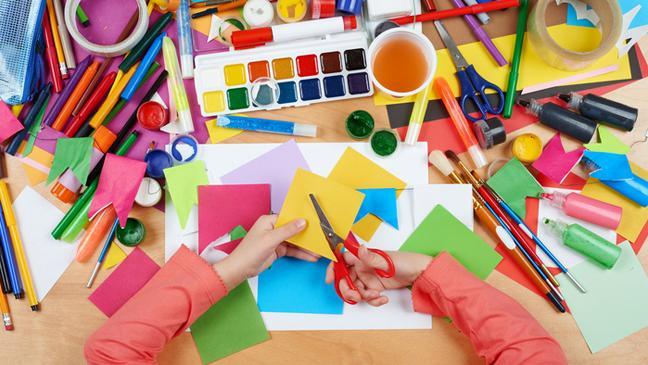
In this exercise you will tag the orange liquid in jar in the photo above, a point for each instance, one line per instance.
(400, 65)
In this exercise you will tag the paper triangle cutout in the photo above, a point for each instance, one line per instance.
(608, 142)
(182, 184)
(72, 153)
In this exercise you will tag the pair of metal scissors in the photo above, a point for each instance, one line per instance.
(473, 86)
(351, 244)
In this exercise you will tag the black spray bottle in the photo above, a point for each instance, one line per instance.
(561, 119)
(602, 110)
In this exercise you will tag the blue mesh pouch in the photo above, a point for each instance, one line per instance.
(20, 65)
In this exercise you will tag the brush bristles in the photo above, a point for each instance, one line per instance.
(438, 159)
(451, 155)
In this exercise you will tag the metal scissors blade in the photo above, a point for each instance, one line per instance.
(458, 59)
(333, 239)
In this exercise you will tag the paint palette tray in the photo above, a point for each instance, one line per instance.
(306, 72)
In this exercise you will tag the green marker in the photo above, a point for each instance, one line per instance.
(82, 16)
(517, 56)
(142, 46)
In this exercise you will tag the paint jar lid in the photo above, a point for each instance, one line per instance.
(149, 193)
(152, 115)
(384, 142)
(527, 147)
(132, 234)
(156, 162)
(265, 91)
(184, 148)
(359, 124)
(489, 132)
(385, 26)
(103, 138)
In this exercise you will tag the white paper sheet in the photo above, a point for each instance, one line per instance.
(410, 166)
(566, 255)
(456, 198)
(46, 257)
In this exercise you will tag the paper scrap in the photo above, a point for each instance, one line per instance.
(219, 134)
(569, 79)
(36, 165)
(339, 202)
(441, 231)
(182, 184)
(114, 256)
(46, 257)
(238, 232)
(358, 172)
(381, 203)
(276, 167)
(609, 166)
(214, 28)
(633, 217)
(124, 282)
(9, 124)
(118, 184)
(514, 184)
(223, 207)
(72, 153)
(554, 162)
(630, 36)
(456, 198)
(229, 326)
(608, 142)
(295, 286)
(566, 255)
(615, 303)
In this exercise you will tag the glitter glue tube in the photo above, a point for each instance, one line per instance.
(97, 230)
(184, 38)
(459, 121)
(586, 209)
(584, 241)
(267, 125)
(561, 119)
(602, 110)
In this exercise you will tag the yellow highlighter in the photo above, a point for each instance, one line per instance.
(5, 200)
(112, 99)
(184, 123)
(417, 116)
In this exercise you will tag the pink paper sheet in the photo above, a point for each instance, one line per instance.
(554, 162)
(9, 124)
(124, 282)
(223, 207)
(118, 184)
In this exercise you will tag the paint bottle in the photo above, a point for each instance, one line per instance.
(602, 110)
(359, 124)
(562, 120)
(489, 132)
(587, 209)
(585, 242)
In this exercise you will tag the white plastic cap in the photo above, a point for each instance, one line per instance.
(305, 130)
(478, 157)
(187, 62)
(413, 131)
(185, 121)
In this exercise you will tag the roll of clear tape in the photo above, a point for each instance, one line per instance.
(610, 26)
(109, 50)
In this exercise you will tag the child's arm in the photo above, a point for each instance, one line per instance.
(181, 292)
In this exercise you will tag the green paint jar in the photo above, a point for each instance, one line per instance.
(132, 234)
(359, 124)
(384, 142)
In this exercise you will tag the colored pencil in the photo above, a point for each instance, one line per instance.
(57, 39)
(62, 119)
(68, 52)
(50, 52)
(6, 315)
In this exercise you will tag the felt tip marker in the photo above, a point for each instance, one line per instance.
(143, 67)
(267, 126)
(292, 31)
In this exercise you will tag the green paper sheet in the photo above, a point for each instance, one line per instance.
(237, 232)
(182, 184)
(514, 183)
(229, 326)
(615, 303)
(441, 231)
(72, 153)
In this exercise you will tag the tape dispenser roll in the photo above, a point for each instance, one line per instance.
(610, 26)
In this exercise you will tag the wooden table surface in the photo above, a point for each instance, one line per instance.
(56, 334)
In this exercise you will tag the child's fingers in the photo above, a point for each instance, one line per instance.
(298, 253)
(371, 259)
(288, 230)
(348, 293)
(379, 301)
(330, 275)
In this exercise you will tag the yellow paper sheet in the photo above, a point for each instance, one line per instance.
(114, 257)
(219, 134)
(339, 202)
(36, 164)
(532, 69)
(634, 217)
(358, 172)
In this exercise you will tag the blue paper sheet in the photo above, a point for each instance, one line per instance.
(626, 5)
(296, 286)
(381, 203)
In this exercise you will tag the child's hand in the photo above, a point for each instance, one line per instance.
(409, 267)
(261, 246)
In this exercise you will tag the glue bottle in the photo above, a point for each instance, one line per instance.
(602, 110)
(587, 209)
(589, 244)
(561, 119)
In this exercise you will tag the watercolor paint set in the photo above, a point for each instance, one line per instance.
(299, 72)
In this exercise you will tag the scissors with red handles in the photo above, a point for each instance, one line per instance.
(337, 244)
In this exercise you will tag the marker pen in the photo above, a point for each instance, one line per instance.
(602, 110)
(292, 31)
(561, 119)
(586, 209)
(459, 121)
(143, 67)
(267, 125)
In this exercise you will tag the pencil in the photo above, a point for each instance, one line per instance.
(517, 58)
(6, 315)
(5, 200)
(62, 119)
(57, 39)
(68, 52)
(102, 255)
(50, 52)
